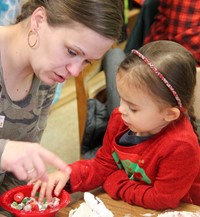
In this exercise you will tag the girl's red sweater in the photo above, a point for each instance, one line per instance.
(156, 174)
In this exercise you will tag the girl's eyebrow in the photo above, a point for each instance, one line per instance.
(130, 103)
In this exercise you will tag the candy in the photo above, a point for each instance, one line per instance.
(25, 200)
(32, 204)
(18, 197)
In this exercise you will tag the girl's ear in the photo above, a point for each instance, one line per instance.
(171, 114)
(38, 18)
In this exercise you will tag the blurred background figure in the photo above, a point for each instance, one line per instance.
(9, 9)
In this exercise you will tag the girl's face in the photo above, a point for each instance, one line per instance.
(139, 110)
(65, 51)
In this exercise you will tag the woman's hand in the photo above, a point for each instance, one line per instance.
(56, 182)
(28, 160)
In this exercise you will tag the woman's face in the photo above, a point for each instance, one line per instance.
(65, 51)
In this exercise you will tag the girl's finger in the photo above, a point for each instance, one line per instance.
(43, 189)
(36, 186)
(50, 188)
(59, 188)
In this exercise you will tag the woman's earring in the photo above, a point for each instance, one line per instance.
(33, 39)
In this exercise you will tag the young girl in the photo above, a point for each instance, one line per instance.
(150, 154)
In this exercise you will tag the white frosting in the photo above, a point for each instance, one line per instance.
(92, 207)
(179, 214)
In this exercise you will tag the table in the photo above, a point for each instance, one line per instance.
(118, 207)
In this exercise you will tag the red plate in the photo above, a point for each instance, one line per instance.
(7, 198)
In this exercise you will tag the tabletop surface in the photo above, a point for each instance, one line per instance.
(120, 208)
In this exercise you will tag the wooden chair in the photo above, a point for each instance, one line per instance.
(90, 77)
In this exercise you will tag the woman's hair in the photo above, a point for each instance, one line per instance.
(102, 16)
(175, 63)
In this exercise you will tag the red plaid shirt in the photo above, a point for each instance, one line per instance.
(179, 21)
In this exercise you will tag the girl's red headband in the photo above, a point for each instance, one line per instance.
(160, 75)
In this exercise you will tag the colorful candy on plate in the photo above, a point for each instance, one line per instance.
(31, 203)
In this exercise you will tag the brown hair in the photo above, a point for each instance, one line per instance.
(175, 63)
(104, 17)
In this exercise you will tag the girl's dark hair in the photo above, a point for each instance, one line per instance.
(102, 16)
(176, 64)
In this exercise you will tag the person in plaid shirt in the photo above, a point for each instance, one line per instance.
(177, 21)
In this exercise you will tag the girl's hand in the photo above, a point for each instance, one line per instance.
(54, 185)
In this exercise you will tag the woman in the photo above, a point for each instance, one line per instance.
(51, 41)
